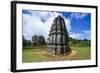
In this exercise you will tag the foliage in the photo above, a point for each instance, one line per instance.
(38, 40)
(35, 40)
(81, 43)
(26, 42)
(41, 40)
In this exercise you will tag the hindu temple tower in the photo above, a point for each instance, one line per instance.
(58, 40)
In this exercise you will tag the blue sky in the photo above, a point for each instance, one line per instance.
(39, 23)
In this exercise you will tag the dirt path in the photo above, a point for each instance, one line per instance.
(70, 55)
(50, 57)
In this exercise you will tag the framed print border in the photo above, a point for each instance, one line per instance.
(14, 35)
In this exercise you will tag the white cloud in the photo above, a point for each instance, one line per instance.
(68, 24)
(78, 15)
(33, 24)
(86, 31)
(83, 35)
(76, 35)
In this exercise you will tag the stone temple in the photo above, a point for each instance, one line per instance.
(58, 40)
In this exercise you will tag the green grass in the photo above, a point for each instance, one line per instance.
(83, 53)
(32, 55)
(38, 55)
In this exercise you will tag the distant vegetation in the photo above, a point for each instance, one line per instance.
(40, 41)
(36, 41)
(79, 43)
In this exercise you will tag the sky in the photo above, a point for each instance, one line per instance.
(78, 24)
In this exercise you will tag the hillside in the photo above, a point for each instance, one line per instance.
(79, 43)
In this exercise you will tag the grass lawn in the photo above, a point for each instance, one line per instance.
(40, 54)
(83, 53)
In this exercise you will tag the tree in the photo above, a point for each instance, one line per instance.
(38, 40)
(26, 42)
(41, 40)
(77, 42)
(35, 39)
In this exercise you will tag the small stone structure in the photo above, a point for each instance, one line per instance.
(58, 40)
